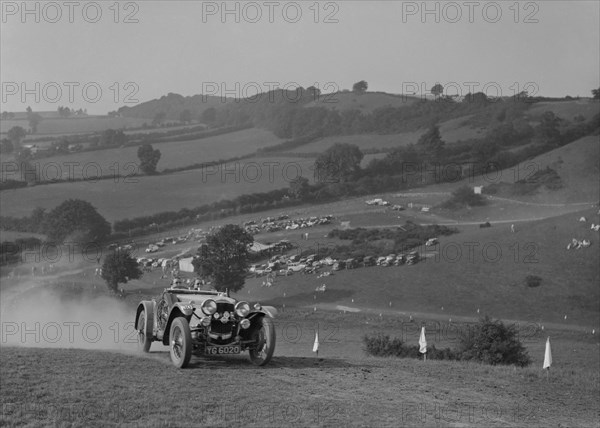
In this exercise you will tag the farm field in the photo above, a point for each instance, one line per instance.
(124, 161)
(456, 129)
(151, 194)
(62, 126)
(364, 142)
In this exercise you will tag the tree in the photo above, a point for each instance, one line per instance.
(148, 158)
(209, 115)
(437, 89)
(16, 134)
(6, 146)
(596, 94)
(547, 131)
(431, 143)
(34, 119)
(339, 163)
(159, 118)
(77, 221)
(224, 257)
(313, 92)
(360, 87)
(119, 267)
(64, 111)
(299, 187)
(185, 116)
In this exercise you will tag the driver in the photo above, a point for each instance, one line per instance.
(177, 283)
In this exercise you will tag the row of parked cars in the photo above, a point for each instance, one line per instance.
(283, 265)
(283, 222)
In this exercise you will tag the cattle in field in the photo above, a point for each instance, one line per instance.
(321, 289)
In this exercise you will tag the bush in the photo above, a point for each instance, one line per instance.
(492, 342)
(533, 281)
(463, 196)
(381, 345)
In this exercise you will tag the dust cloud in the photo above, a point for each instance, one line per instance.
(33, 316)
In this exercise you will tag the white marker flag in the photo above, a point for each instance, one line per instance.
(422, 342)
(316, 344)
(547, 355)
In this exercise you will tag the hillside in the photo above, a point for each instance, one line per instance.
(366, 103)
(173, 104)
(577, 164)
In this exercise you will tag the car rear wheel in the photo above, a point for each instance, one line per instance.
(144, 341)
(181, 342)
(264, 336)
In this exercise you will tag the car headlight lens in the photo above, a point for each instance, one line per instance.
(242, 309)
(205, 321)
(245, 323)
(209, 307)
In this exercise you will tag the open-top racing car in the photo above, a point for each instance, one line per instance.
(200, 322)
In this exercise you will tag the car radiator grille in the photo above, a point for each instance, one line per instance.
(216, 326)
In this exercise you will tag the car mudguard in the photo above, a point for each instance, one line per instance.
(148, 308)
(179, 309)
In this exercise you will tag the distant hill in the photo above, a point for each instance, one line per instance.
(366, 103)
(173, 104)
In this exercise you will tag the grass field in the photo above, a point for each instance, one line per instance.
(364, 142)
(138, 196)
(567, 109)
(124, 161)
(41, 386)
(456, 129)
(59, 126)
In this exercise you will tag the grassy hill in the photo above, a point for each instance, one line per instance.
(567, 110)
(577, 165)
(366, 102)
(173, 104)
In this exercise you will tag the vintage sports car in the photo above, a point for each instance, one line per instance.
(199, 322)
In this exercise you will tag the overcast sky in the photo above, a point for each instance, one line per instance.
(189, 48)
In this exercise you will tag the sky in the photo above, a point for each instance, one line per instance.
(104, 55)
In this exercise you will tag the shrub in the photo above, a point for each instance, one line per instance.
(381, 345)
(463, 196)
(533, 281)
(492, 342)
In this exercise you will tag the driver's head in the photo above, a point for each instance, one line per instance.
(197, 283)
(177, 283)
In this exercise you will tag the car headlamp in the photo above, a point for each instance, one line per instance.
(209, 307)
(245, 323)
(242, 309)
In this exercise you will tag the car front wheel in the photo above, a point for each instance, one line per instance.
(181, 342)
(264, 336)
(144, 341)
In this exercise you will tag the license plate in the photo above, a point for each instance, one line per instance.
(221, 350)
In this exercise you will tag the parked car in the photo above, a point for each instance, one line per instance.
(412, 258)
(197, 322)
